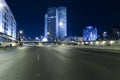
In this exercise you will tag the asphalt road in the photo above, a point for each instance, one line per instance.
(59, 63)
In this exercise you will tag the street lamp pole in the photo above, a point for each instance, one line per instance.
(19, 37)
(118, 35)
(19, 33)
(104, 35)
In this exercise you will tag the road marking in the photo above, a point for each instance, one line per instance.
(38, 57)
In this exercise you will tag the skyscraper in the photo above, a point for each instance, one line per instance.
(7, 22)
(56, 23)
(90, 34)
(62, 22)
(45, 23)
(52, 24)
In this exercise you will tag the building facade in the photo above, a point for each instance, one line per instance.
(115, 32)
(45, 24)
(90, 34)
(56, 23)
(52, 24)
(62, 22)
(7, 22)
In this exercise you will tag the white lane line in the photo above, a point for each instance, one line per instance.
(38, 57)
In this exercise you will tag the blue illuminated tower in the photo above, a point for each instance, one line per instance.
(56, 23)
(45, 23)
(62, 22)
(51, 24)
(90, 34)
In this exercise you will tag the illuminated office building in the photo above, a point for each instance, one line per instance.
(90, 34)
(52, 26)
(56, 23)
(7, 22)
(45, 24)
(62, 22)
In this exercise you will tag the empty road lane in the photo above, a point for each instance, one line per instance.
(59, 63)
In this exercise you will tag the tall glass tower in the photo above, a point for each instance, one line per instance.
(45, 23)
(52, 24)
(56, 23)
(62, 22)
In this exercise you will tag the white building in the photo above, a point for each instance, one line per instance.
(7, 22)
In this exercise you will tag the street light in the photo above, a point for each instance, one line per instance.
(36, 38)
(82, 43)
(112, 42)
(104, 35)
(91, 43)
(118, 34)
(104, 32)
(21, 32)
(97, 43)
(104, 42)
(20, 39)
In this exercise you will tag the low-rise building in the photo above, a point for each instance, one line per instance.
(90, 34)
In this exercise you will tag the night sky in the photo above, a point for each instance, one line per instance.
(102, 14)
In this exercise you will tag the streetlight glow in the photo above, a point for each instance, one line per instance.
(86, 42)
(91, 42)
(21, 31)
(104, 32)
(82, 43)
(112, 42)
(104, 35)
(36, 38)
(97, 43)
(104, 42)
